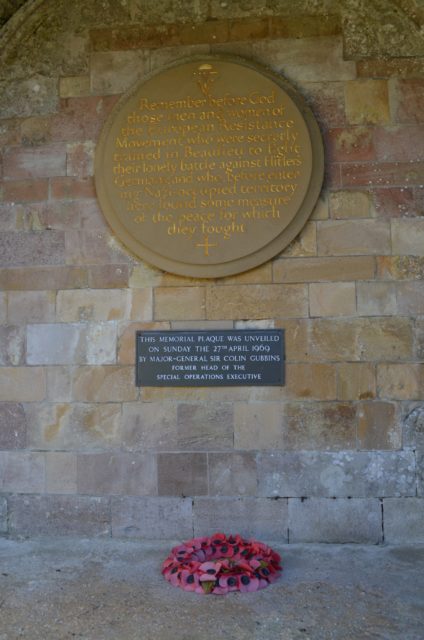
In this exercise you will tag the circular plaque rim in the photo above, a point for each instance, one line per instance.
(254, 258)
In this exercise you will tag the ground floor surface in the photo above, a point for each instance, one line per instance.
(102, 589)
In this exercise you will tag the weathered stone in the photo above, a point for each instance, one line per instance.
(356, 381)
(342, 474)
(315, 381)
(92, 246)
(399, 144)
(410, 298)
(396, 202)
(3, 515)
(350, 204)
(61, 472)
(356, 237)
(350, 144)
(256, 301)
(408, 237)
(304, 245)
(382, 174)
(319, 426)
(367, 101)
(31, 306)
(258, 425)
(338, 521)
(31, 248)
(251, 517)
(182, 474)
(126, 341)
(43, 278)
(385, 339)
(116, 474)
(205, 426)
(74, 86)
(88, 305)
(333, 340)
(69, 188)
(104, 384)
(31, 96)
(141, 305)
(335, 299)
(379, 426)
(179, 303)
(12, 345)
(408, 100)
(152, 518)
(41, 162)
(108, 276)
(327, 101)
(376, 298)
(13, 426)
(22, 384)
(59, 383)
(85, 427)
(53, 344)
(232, 474)
(400, 381)
(403, 520)
(115, 72)
(24, 191)
(149, 425)
(400, 268)
(22, 472)
(260, 275)
(324, 269)
(307, 59)
(80, 159)
(59, 515)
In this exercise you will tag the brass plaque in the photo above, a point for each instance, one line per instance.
(209, 167)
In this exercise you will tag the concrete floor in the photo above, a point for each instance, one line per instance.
(54, 589)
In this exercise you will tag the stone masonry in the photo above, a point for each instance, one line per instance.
(335, 455)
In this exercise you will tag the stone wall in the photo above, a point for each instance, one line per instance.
(336, 454)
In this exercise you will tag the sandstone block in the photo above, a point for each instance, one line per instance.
(61, 472)
(333, 340)
(92, 247)
(400, 381)
(376, 298)
(258, 425)
(74, 86)
(408, 237)
(116, 71)
(327, 101)
(379, 426)
(98, 343)
(182, 474)
(205, 426)
(25, 191)
(256, 301)
(126, 340)
(367, 101)
(382, 174)
(400, 267)
(396, 202)
(350, 144)
(350, 204)
(59, 515)
(36, 95)
(399, 144)
(410, 298)
(116, 474)
(3, 307)
(109, 276)
(13, 426)
(59, 383)
(260, 275)
(232, 474)
(22, 384)
(356, 381)
(403, 520)
(31, 306)
(53, 344)
(104, 384)
(339, 521)
(324, 269)
(152, 518)
(64, 427)
(43, 278)
(31, 248)
(408, 100)
(179, 303)
(337, 474)
(251, 517)
(63, 188)
(304, 245)
(41, 162)
(149, 425)
(88, 305)
(323, 426)
(22, 472)
(385, 339)
(335, 299)
(306, 381)
(141, 305)
(12, 345)
(353, 237)
(80, 159)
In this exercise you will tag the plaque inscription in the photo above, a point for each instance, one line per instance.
(210, 358)
(209, 167)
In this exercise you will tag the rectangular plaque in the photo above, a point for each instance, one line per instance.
(210, 358)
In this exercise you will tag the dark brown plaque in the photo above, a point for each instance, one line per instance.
(209, 167)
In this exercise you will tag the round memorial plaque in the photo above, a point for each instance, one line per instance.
(209, 167)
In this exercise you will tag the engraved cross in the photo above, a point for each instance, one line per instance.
(206, 245)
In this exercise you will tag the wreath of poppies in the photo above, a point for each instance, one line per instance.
(221, 564)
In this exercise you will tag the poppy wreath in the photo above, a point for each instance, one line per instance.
(221, 564)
